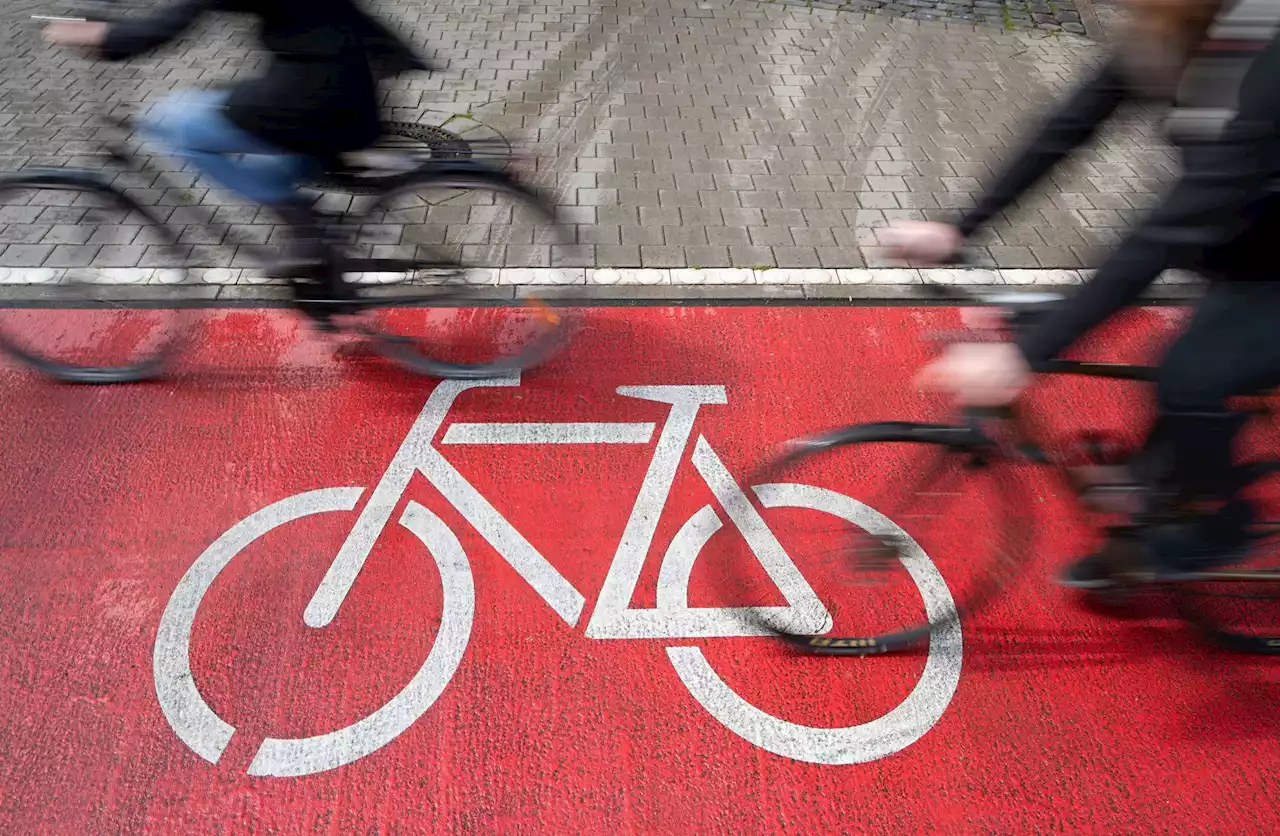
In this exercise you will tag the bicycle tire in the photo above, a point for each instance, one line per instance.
(1216, 602)
(544, 329)
(25, 320)
(931, 451)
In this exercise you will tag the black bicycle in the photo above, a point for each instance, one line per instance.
(948, 522)
(456, 198)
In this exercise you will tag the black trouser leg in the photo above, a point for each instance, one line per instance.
(1191, 454)
(1230, 348)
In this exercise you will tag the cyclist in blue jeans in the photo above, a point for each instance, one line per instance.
(317, 99)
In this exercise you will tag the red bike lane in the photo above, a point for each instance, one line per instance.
(514, 653)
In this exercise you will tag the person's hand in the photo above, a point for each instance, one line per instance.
(978, 374)
(86, 33)
(923, 242)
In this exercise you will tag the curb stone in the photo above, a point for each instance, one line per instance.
(735, 285)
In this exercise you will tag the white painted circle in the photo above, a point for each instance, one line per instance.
(879, 738)
(207, 734)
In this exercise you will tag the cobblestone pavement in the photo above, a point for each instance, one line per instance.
(673, 133)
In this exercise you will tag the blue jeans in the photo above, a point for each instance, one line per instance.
(193, 125)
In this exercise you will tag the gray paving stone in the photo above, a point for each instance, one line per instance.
(685, 236)
(119, 255)
(839, 257)
(1058, 256)
(157, 256)
(728, 235)
(1014, 257)
(529, 255)
(23, 233)
(708, 256)
(71, 255)
(204, 256)
(815, 236)
(617, 256)
(24, 255)
(662, 256)
(182, 215)
(392, 234)
(601, 234)
(17, 214)
(749, 256)
(116, 234)
(573, 255)
(796, 257)
(767, 236)
(203, 234)
(650, 235)
(249, 233)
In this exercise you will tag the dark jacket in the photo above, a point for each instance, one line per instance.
(319, 93)
(1221, 218)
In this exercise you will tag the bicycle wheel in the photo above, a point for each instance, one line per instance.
(938, 537)
(1238, 607)
(458, 228)
(68, 319)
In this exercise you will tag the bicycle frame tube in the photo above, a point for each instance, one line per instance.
(1107, 371)
(416, 454)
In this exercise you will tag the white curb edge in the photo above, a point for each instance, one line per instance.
(599, 277)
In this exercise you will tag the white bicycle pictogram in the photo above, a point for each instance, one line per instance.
(613, 617)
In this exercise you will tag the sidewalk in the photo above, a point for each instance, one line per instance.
(678, 135)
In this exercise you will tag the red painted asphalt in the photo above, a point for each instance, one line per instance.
(146, 657)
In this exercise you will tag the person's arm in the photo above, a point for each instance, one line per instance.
(1074, 122)
(127, 38)
(387, 51)
(1208, 207)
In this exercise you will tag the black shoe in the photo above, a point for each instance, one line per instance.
(1104, 568)
(1091, 572)
(1167, 553)
(1216, 539)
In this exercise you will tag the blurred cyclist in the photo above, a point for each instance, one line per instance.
(316, 99)
(1222, 219)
